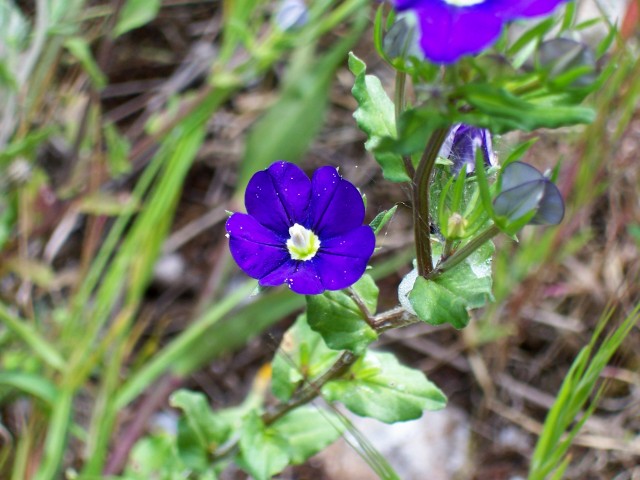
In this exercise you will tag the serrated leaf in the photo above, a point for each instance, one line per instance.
(307, 430)
(380, 387)
(375, 116)
(336, 317)
(382, 219)
(263, 452)
(302, 356)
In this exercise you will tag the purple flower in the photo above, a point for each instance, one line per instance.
(453, 28)
(305, 233)
(462, 143)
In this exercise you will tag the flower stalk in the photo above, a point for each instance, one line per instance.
(464, 252)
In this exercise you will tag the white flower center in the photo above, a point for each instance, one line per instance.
(464, 3)
(303, 243)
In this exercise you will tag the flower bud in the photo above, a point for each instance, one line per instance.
(456, 226)
(523, 190)
(461, 145)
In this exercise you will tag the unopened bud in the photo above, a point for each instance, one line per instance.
(456, 226)
(523, 190)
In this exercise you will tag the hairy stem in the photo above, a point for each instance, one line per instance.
(421, 181)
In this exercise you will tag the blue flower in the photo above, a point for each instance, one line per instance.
(453, 28)
(461, 145)
(305, 233)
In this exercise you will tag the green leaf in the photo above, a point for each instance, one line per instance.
(263, 452)
(155, 457)
(367, 290)
(414, 128)
(446, 298)
(336, 317)
(200, 430)
(302, 356)
(471, 279)
(501, 111)
(382, 219)
(31, 384)
(375, 116)
(118, 149)
(79, 48)
(307, 430)
(380, 387)
(436, 305)
(136, 13)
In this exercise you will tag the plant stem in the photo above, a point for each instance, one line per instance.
(465, 251)
(312, 390)
(421, 181)
(399, 102)
(361, 306)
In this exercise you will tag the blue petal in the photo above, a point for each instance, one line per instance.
(342, 260)
(256, 249)
(513, 9)
(449, 32)
(301, 277)
(336, 205)
(279, 197)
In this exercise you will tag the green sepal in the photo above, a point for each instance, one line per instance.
(382, 218)
(378, 386)
(336, 317)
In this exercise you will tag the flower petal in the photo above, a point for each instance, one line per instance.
(301, 277)
(342, 260)
(256, 249)
(449, 32)
(336, 205)
(512, 9)
(279, 196)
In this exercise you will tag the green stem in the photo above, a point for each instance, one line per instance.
(399, 102)
(312, 390)
(465, 251)
(421, 182)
